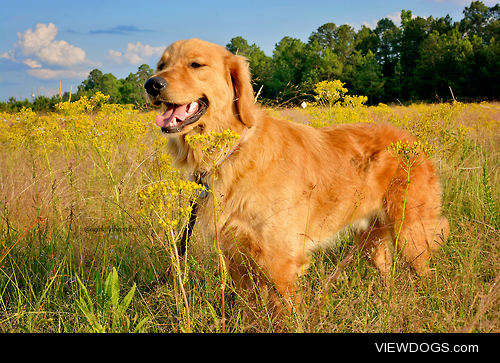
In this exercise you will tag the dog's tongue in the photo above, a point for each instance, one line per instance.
(175, 114)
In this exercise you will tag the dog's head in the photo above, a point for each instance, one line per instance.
(197, 81)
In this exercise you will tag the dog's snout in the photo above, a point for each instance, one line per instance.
(154, 85)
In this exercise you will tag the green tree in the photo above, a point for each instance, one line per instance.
(335, 55)
(481, 20)
(240, 46)
(441, 25)
(388, 56)
(109, 85)
(287, 67)
(490, 68)
(448, 60)
(345, 43)
(341, 40)
(320, 65)
(97, 81)
(414, 32)
(132, 87)
(367, 40)
(93, 79)
(475, 19)
(465, 50)
(369, 80)
(389, 36)
(144, 72)
(325, 36)
(430, 77)
(129, 90)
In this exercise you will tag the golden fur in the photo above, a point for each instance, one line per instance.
(287, 189)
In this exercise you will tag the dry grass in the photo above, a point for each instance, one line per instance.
(69, 199)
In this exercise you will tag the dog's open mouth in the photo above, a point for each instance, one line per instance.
(176, 117)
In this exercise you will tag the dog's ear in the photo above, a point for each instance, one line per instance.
(244, 99)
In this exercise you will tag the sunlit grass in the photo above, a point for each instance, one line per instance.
(90, 189)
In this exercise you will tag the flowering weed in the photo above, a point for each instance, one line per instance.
(333, 105)
(89, 192)
(211, 148)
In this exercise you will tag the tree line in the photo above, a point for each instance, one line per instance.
(121, 91)
(422, 59)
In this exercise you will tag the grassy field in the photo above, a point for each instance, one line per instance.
(91, 211)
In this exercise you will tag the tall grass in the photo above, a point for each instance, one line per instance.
(92, 210)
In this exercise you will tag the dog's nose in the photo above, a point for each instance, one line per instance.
(154, 85)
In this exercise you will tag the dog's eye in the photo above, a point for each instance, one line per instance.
(196, 65)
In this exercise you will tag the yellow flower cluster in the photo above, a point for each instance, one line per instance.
(213, 145)
(454, 138)
(333, 105)
(410, 154)
(330, 92)
(83, 104)
(431, 124)
(109, 127)
(38, 134)
(73, 126)
(168, 200)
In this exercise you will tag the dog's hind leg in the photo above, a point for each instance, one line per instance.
(375, 243)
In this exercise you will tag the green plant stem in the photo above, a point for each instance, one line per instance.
(222, 266)
(181, 285)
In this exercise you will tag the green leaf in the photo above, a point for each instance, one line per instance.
(127, 299)
(112, 288)
(99, 289)
(86, 306)
(85, 291)
(139, 327)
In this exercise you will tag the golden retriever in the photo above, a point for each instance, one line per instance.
(284, 190)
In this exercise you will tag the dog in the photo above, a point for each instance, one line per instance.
(284, 190)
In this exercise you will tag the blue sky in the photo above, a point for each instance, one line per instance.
(46, 42)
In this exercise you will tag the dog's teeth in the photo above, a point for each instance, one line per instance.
(192, 106)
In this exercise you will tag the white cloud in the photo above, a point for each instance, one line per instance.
(61, 53)
(42, 44)
(39, 48)
(7, 55)
(32, 63)
(32, 41)
(133, 58)
(114, 56)
(135, 53)
(59, 74)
